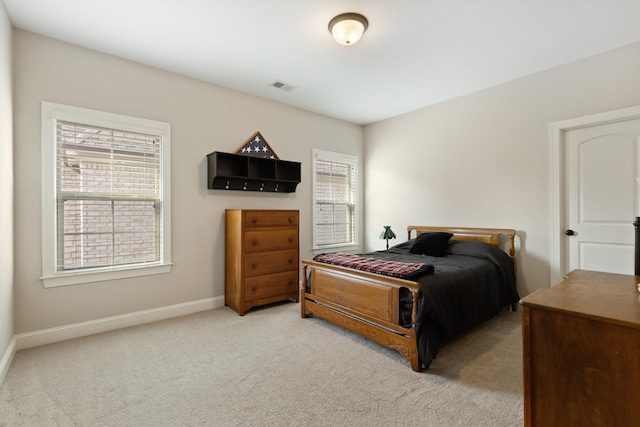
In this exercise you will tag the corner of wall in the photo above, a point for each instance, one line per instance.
(7, 358)
(7, 306)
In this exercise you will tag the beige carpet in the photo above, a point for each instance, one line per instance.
(268, 368)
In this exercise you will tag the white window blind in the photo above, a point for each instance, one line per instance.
(108, 196)
(105, 196)
(335, 195)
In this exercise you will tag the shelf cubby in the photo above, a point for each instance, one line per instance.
(226, 171)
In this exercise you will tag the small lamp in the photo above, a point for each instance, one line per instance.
(347, 28)
(387, 234)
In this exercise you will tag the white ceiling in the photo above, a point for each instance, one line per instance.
(414, 54)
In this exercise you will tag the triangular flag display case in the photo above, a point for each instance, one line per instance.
(254, 167)
(257, 146)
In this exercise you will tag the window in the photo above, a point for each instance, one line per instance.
(105, 196)
(334, 213)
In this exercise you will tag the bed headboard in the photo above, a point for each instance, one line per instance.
(487, 235)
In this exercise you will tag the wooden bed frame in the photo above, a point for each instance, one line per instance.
(368, 303)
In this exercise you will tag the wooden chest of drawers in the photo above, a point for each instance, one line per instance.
(262, 257)
(581, 352)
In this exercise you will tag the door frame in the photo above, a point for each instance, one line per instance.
(557, 130)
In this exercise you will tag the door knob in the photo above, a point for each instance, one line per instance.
(569, 232)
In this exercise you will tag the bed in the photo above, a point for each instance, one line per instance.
(468, 282)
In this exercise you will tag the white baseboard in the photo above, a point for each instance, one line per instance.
(76, 330)
(7, 358)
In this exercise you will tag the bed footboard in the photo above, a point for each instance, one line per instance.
(365, 303)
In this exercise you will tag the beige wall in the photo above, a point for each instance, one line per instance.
(203, 118)
(6, 194)
(483, 159)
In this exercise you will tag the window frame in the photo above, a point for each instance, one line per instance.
(352, 160)
(50, 114)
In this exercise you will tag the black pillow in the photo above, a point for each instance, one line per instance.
(432, 244)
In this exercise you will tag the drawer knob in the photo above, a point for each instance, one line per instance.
(290, 240)
(290, 261)
(254, 220)
(254, 264)
(254, 242)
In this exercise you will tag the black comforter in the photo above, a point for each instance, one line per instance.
(469, 285)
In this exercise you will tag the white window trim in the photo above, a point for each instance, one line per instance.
(52, 112)
(345, 158)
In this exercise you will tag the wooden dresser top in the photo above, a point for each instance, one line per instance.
(612, 298)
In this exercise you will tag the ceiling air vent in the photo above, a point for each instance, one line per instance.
(281, 85)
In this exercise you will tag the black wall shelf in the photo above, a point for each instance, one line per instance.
(226, 171)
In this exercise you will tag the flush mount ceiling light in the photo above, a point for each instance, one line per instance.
(347, 28)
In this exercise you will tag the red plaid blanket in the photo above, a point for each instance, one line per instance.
(402, 270)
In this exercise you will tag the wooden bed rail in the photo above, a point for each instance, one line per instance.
(358, 300)
(488, 235)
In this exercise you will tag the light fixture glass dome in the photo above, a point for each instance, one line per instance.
(347, 28)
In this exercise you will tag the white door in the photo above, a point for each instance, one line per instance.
(602, 185)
